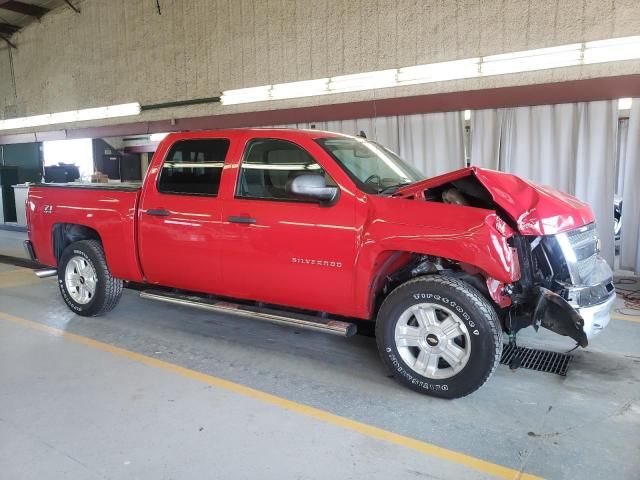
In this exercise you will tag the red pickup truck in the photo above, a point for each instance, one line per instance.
(324, 231)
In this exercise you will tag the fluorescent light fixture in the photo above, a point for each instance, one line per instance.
(438, 72)
(612, 50)
(467, 114)
(246, 95)
(363, 81)
(529, 60)
(305, 88)
(624, 104)
(157, 137)
(99, 113)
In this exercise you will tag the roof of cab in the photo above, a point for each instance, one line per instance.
(261, 131)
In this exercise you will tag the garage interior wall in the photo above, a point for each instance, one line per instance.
(199, 48)
(630, 238)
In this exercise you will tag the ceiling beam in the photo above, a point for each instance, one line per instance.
(23, 8)
(8, 29)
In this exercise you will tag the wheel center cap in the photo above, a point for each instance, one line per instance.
(432, 340)
(82, 280)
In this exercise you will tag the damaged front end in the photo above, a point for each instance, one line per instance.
(570, 287)
(564, 285)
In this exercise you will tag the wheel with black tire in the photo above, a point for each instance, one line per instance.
(439, 336)
(85, 281)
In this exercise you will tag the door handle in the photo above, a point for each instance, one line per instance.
(245, 220)
(158, 212)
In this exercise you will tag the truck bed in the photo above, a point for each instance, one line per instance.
(109, 209)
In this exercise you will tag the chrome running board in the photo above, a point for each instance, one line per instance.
(50, 272)
(309, 322)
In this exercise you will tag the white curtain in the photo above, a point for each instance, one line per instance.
(623, 128)
(571, 147)
(630, 241)
(539, 143)
(383, 130)
(595, 166)
(433, 142)
(485, 141)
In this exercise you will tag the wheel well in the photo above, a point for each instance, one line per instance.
(64, 234)
(419, 265)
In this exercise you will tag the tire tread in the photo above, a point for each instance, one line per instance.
(112, 286)
(475, 297)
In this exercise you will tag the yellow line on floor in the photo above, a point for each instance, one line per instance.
(626, 318)
(474, 463)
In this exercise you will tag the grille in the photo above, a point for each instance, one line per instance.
(534, 359)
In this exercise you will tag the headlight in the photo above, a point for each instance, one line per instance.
(580, 249)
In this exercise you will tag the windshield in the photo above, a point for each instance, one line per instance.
(374, 168)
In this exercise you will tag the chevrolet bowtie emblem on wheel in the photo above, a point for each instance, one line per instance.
(316, 261)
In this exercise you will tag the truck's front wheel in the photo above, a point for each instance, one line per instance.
(439, 336)
(85, 281)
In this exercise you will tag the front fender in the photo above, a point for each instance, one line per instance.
(474, 237)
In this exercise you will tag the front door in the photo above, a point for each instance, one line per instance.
(285, 250)
(179, 216)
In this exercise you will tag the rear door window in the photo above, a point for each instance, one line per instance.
(194, 167)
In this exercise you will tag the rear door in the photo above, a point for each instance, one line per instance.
(180, 214)
(285, 250)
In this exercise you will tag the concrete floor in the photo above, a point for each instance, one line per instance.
(74, 408)
(11, 243)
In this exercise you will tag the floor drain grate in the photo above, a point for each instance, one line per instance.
(534, 359)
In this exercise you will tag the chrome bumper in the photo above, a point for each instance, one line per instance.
(596, 317)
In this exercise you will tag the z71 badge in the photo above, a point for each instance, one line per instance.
(48, 209)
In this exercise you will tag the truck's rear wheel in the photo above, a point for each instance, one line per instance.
(439, 336)
(85, 281)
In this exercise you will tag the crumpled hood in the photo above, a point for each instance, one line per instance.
(536, 209)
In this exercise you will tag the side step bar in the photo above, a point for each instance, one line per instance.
(49, 272)
(309, 322)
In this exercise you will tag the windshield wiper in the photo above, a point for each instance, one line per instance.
(393, 188)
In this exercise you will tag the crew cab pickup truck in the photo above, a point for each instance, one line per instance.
(324, 231)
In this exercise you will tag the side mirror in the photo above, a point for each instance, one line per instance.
(312, 185)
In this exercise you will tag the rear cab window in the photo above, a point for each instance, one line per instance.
(194, 167)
